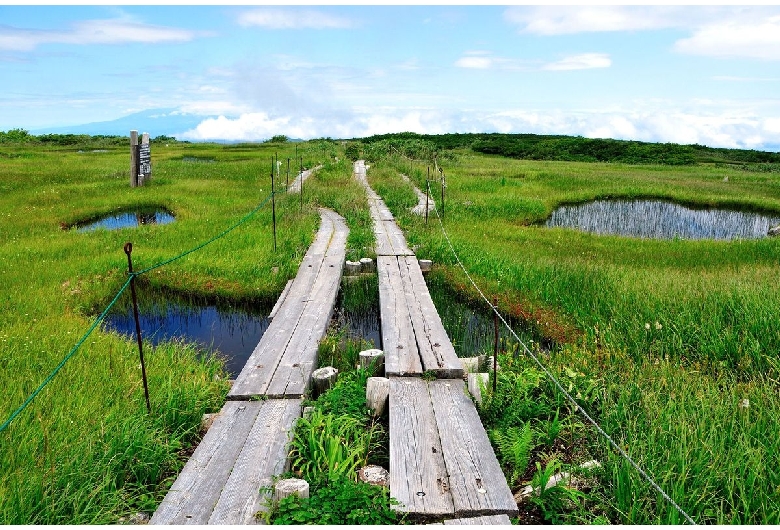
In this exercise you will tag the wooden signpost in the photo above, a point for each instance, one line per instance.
(140, 159)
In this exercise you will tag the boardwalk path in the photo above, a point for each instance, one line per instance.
(441, 461)
(248, 442)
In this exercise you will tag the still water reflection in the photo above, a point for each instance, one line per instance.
(128, 219)
(661, 220)
(233, 331)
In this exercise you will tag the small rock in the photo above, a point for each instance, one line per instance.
(374, 475)
(774, 231)
(140, 518)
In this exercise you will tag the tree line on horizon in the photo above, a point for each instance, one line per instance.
(568, 148)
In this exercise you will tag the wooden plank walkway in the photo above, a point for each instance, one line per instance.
(247, 445)
(441, 460)
(282, 362)
(295, 185)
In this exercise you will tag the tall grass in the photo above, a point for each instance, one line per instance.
(85, 450)
(674, 337)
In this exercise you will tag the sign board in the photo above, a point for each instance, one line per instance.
(144, 160)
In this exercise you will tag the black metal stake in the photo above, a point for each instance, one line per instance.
(427, 187)
(128, 251)
(288, 171)
(273, 205)
(443, 185)
(301, 177)
(495, 344)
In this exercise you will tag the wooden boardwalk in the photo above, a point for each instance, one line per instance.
(249, 440)
(441, 461)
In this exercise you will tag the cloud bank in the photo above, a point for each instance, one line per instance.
(723, 130)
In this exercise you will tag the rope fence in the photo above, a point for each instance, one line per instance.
(131, 276)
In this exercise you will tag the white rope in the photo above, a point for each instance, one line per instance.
(557, 384)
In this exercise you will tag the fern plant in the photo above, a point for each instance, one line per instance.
(514, 446)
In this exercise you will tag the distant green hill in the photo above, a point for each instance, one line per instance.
(579, 149)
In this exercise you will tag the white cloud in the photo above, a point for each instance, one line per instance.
(273, 18)
(583, 61)
(560, 20)
(716, 130)
(106, 31)
(478, 60)
(758, 39)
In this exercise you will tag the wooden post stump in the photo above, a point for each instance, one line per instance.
(474, 381)
(473, 365)
(367, 265)
(291, 486)
(322, 379)
(377, 394)
(425, 265)
(351, 268)
(375, 358)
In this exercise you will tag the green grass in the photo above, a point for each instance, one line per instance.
(669, 336)
(85, 450)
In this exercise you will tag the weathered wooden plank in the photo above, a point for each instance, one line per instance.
(396, 238)
(293, 374)
(502, 519)
(477, 484)
(398, 342)
(436, 351)
(280, 300)
(262, 363)
(418, 477)
(264, 455)
(196, 491)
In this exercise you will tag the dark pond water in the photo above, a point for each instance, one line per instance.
(233, 331)
(128, 219)
(470, 327)
(655, 219)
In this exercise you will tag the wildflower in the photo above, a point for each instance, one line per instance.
(745, 403)
(647, 325)
(658, 325)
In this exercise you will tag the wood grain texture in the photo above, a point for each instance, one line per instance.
(435, 348)
(398, 341)
(263, 456)
(280, 300)
(282, 362)
(418, 477)
(477, 484)
(502, 519)
(196, 491)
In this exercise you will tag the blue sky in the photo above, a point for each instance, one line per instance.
(697, 74)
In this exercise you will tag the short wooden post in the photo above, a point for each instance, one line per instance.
(425, 265)
(367, 265)
(375, 358)
(322, 379)
(377, 394)
(475, 383)
(351, 268)
(291, 486)
(133, 159)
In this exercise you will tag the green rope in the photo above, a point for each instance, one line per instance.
(100, 318)
(46, 381)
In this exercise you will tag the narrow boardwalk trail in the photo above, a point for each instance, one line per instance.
(249, 440)
(441, 461)
(295, 185)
